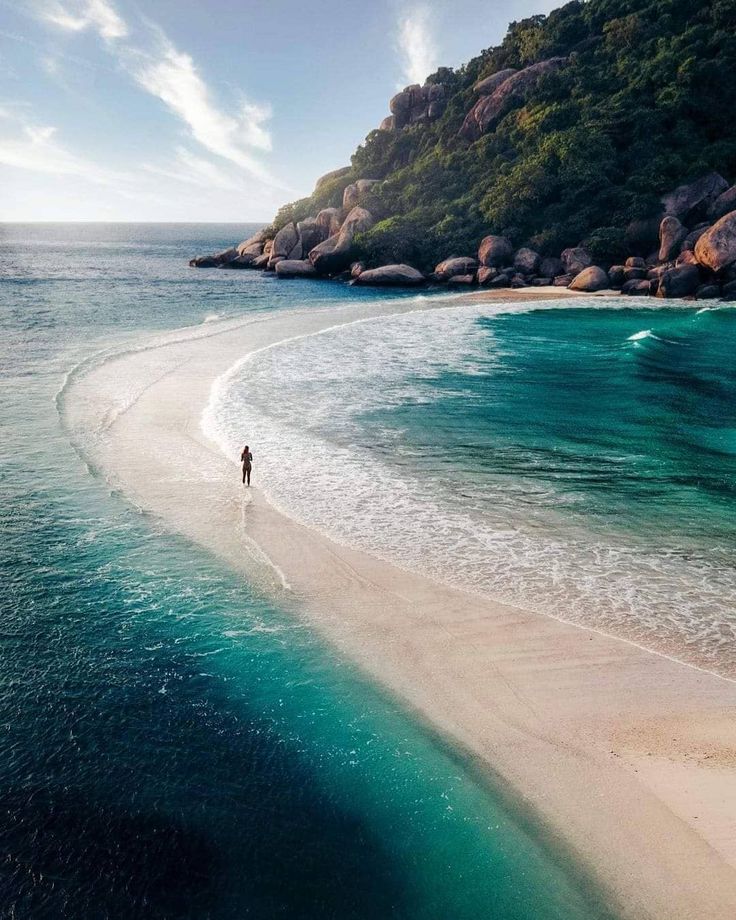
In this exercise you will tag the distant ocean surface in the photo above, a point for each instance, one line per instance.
(174, 744)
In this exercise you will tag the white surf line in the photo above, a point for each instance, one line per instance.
(206, 419)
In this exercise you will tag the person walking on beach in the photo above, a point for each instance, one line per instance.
(247, 460)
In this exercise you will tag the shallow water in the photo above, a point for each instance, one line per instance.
(579, 462)
(175, 745)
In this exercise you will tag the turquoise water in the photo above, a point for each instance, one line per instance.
(579, 462)
(174, 745)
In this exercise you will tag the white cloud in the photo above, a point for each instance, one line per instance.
(29, 146)
(79, 15)
(171, 76)
(33, 147)
(188, 167)
(416, 44)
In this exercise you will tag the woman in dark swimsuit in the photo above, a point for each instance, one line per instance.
(247, 459)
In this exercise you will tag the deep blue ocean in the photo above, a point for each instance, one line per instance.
(173, 744)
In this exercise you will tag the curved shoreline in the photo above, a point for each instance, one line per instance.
(579, 724)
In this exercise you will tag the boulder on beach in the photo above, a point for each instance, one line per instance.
(693, 236)
(286, 244)
(253, 245)
(356, 269)
(637, 287)
(488, 109)
(708, 292)
(563, 280)
(687, 257)
(616, 275)
(333, 255)
(590, 279)
(458, 265)
(671, 236)
(681, 281)
(728, 291)
(329, 219)
(526, 261)
(295, 268)
(716, 248)
(486, 274)
(390, 276)
(462, 279)
(575, 259)
(495, 251)
(551, 267)
(311, 233)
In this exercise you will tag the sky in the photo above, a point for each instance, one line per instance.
(218, 110)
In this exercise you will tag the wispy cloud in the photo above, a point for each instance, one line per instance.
(171, 75)
(27, 145)
(194, 170)
(416, 44)
(79, 15)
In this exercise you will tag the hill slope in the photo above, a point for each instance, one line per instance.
(640, 102)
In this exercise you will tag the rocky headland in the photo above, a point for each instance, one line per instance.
(425, 202)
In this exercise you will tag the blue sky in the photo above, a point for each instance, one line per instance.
(220, 110)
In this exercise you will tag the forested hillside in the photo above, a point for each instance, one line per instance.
(638, 98)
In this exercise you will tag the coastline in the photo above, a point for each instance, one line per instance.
(584, 727)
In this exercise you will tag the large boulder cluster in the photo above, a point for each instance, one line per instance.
(693, 254)
(415, 104)
(689, 251)
(321, 245)
(500, 90)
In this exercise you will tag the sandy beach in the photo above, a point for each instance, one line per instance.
(625, 757)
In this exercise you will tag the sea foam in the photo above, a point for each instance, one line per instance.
(303, 406)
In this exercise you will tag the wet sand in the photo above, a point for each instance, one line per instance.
(627, 758)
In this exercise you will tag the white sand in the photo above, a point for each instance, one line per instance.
(627, 757)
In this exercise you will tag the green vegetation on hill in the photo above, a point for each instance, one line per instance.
(644, 103)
